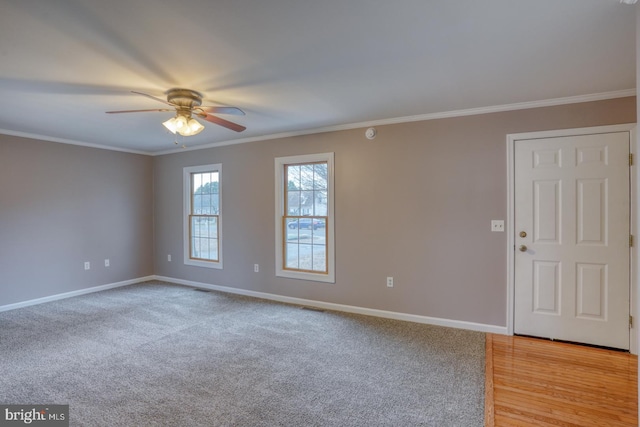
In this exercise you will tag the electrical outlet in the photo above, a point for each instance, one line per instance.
(87, 265)
(256, 268)
(169, 257)
(389, 282)
(497, 225)
(106, 263)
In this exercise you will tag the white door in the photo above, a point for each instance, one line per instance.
(572, 238)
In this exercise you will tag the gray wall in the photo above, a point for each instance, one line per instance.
(61, 205)
(415, 203)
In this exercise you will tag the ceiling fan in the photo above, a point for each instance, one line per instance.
(187, 102)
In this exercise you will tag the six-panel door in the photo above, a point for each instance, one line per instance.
(572, 265)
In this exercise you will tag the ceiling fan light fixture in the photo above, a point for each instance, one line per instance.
(170, 125)
(180, 122)
(195, 127)
(183, 125)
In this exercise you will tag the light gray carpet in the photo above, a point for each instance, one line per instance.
(157, 354)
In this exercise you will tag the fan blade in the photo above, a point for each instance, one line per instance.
(222, 122)
(137, 111)
(152, 97)
(222, 110)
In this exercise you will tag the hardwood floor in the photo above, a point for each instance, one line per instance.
(533, 382)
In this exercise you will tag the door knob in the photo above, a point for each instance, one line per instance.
(522, 248)
(523, 234)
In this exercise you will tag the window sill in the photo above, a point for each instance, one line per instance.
(205, 264)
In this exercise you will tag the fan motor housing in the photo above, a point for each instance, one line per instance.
(184, 98)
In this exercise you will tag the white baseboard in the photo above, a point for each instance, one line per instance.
(74, 293)
(459, 324)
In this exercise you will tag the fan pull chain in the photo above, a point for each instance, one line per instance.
(175, 141)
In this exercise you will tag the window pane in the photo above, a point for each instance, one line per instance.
(305, 256)
(306, 203)
(215, 179)
(320, 203)
(205, 227)
(197, 199)
(195, 247)
(291, 256)
(204, 235)
(305, 245)
(212, 249)
(215, 204)
(292, 229)
(320, 172)
(206, 198)
(318, 234)
(213, 227)
(293, 202)
(197, 204)
(197, 181)
(197, 227)
(319, 258)
(293, 177)
(205, 248)
(304, 234)
(306, 177)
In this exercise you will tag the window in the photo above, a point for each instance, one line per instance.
(202, 237)
(304, 217)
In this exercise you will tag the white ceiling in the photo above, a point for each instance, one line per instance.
(294, 65)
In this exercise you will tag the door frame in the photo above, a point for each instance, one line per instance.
(634, 147)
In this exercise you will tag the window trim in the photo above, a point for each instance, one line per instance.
(186, 178)
(280, 202)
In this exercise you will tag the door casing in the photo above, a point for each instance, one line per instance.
(509, 229)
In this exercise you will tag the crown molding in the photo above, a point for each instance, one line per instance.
(70, 142)
(421, 117)
(396, 120)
